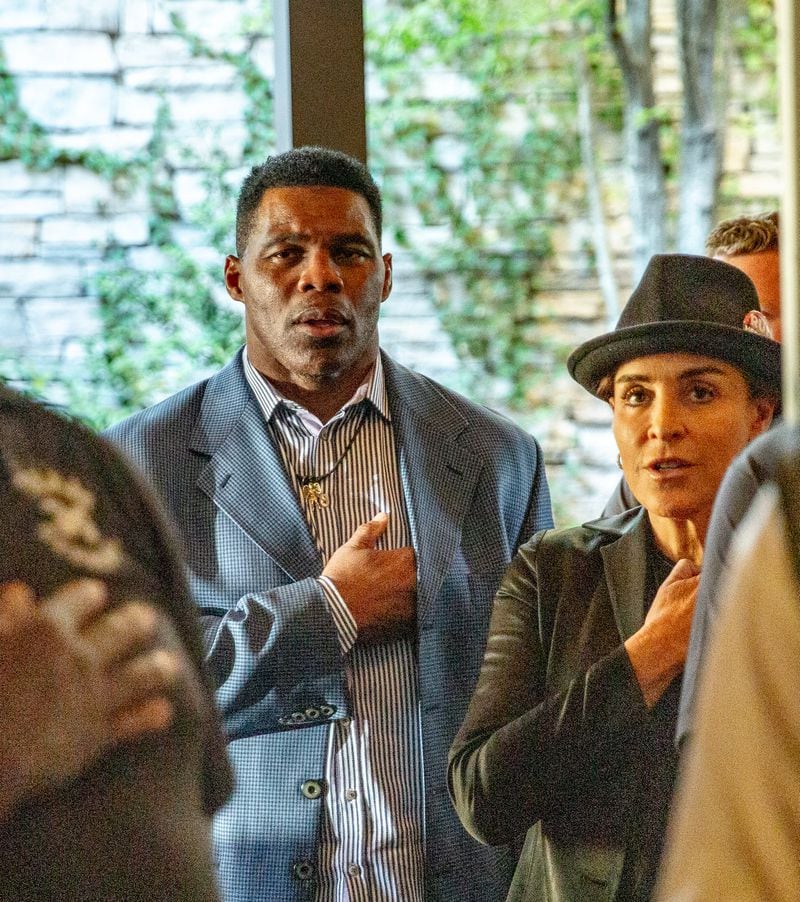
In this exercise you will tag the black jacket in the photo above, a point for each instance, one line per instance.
(557, 739)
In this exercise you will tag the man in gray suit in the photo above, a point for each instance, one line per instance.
(347, 522)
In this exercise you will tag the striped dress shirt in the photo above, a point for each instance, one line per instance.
(372, 839)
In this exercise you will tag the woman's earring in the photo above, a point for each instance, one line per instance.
(619, 461)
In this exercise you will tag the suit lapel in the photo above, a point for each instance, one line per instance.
(438, 475)
(245, 477)
(625, 564)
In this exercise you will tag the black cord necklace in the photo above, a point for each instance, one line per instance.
(311, 486)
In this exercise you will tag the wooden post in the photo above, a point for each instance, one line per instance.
(319, 75)
(789, 49)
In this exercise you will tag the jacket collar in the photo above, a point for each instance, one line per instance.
(244, 469)
(625, 564)
(438, 472)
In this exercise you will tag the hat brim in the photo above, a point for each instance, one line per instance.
(758, 357)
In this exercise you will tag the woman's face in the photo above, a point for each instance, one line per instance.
(679, 420)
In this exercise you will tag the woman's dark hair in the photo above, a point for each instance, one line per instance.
(304, 167)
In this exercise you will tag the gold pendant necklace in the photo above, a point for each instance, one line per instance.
(311, 488)
(312, 491)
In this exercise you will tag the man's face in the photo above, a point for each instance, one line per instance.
(312, 280)
(764, 271)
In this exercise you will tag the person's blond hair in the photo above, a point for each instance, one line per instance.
(744, 235)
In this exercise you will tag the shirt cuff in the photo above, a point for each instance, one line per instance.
(346, 626)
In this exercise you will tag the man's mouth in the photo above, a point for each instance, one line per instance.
(322, 323)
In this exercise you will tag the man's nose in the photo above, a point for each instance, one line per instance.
(320, 273)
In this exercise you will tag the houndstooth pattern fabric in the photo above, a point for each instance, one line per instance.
(474, 487)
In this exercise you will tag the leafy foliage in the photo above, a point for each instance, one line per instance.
(165, 325)
(483, 164)
(472, 135)
(24, 139)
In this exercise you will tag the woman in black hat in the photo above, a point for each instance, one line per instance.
(569, 735)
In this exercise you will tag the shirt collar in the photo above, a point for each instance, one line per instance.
(373, 388)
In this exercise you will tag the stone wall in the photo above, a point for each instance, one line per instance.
(94, 74)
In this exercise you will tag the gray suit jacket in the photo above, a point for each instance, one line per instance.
(557, 737)
(474, 488)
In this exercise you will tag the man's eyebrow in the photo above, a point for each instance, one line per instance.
(353, 236)
(283, 237)
(299, 237)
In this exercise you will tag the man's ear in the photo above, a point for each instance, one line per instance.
(387, 277)
(233, 277)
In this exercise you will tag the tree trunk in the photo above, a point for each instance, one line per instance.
(594, 199)
(701, 130)
(642, 141)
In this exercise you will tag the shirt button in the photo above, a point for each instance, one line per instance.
(312, 789)
(353, 870)
(350, 794)
(345, 721)
(303, 870)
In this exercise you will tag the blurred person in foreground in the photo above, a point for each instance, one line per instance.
(101, 671)
(77, 679)
(735, 827)
(569, 734)
(750, 244)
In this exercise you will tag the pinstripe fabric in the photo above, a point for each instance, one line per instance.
(371, 844)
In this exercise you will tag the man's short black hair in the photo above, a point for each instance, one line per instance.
(304, 167)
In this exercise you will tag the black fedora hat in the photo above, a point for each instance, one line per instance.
(690, 304)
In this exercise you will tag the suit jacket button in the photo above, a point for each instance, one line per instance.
(327, 710)
(303, 870)
(298, 717)
(312, 713)
(313, 789)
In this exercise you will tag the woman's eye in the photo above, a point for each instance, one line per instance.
(635, 396)
(701, 393)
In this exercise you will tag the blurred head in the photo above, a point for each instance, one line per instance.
(691, 377)
(750, 243)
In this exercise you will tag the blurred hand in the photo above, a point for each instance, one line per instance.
(379, 586)
(77, 679)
